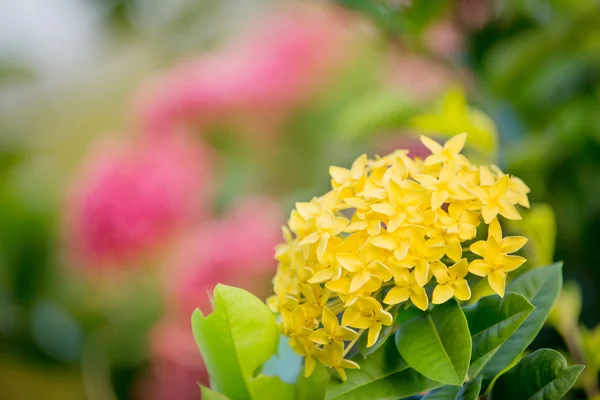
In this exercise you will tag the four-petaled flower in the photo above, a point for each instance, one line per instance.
(406, 288)
(496, 262)
(367, 313)
(332, 330)
(451, 282)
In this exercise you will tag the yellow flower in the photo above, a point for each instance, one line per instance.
(449, 153)
(332, 330)
(444, 187)
(495, 201)
(406, 288)
(342, 288)
(421, 253)
(333, 356)
(363, 269)
(455, 226)
(389, 217)
(367, 313)
(496, 263)
(451, 282)
(404, 200)
(349, 181)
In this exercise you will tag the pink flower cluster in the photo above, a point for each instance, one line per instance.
(275, 66)
(130, 197)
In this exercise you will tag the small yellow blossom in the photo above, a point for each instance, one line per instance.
(421, 254)
(367, 313)
(449, 153)
(496, 262)
(332, 330)
(387, 228)
(406, 288)
(451, 282)
(332, 356)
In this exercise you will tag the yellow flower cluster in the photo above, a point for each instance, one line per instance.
(388, 226)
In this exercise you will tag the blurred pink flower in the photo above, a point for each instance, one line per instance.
(444, 38)
(132, 197)
(274, 66)
(236, 249)
(176, 364)
(419, 77)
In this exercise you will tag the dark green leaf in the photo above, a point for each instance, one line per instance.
(542, 375)
(383, 375)
(541, 287)
(469, 391)
(437, 344)
(409, 313)
(492, 320)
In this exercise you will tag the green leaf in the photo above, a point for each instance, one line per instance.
(409, 313)
(313, 387)
(208, 394)
(541, 287)
(492, 320)
(437, 344)
(469, 391)
(383, 375)
(235, 340)
(542, 375)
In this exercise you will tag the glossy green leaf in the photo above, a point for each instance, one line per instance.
(437, 344)
(540, 287)
(542, 375)
(313, 387)
(235, 340)
(208, 394)
(492, 320)
(383, 375)
(469, 391)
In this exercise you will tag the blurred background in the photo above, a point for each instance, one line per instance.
(150, 149)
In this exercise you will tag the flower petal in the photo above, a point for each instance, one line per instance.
(330, 321)
(350, 262)
(510, 244)
(397, 295)
(359, 280)
(438, 197)
(373, 335)
(422, 273)
(497, 281)
(479, 268)
(442, 293)
(462, 291)
(456, 143)
(419, 298)
(431, 144)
